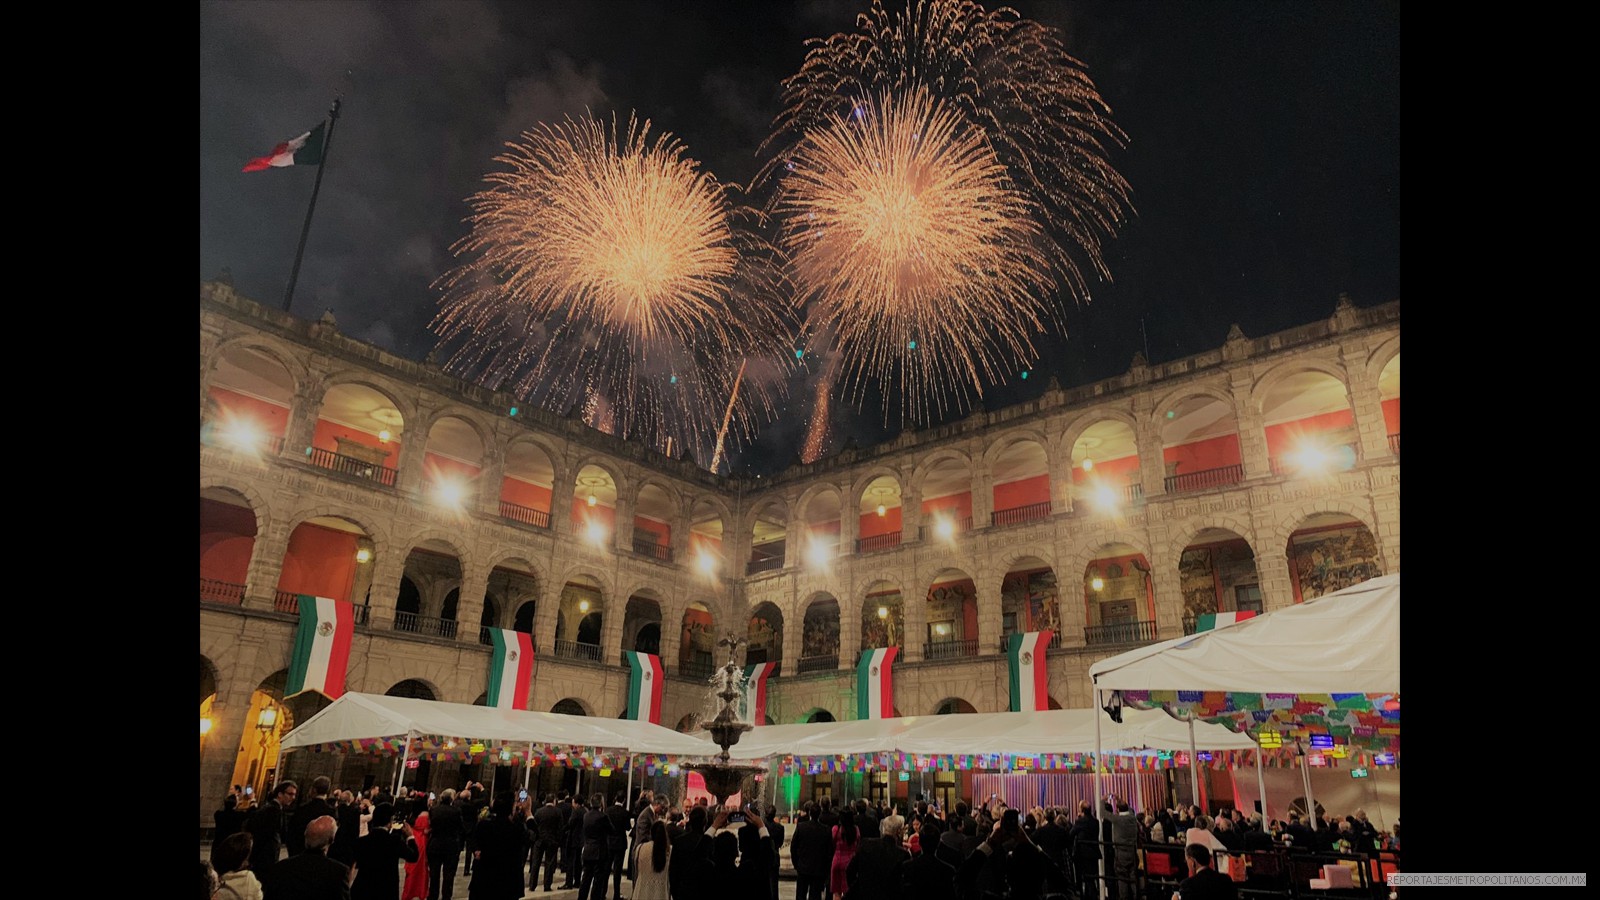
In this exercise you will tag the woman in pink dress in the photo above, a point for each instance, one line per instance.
(416, 886)
(845, 839)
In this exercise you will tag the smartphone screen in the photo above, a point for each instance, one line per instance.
(522, 795)
(249, 791)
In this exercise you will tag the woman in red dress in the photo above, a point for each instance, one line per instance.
(845, 839)
(416, 886)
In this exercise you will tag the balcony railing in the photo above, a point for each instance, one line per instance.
(432, 626)
(1055, 642)
(1288, 465)
(527, 515)
(645, 546)
(349, 465)
(226, 593)
(818, 663)
(363, 614)
(1120, 633)
(1394, 443)
(878, 542)
(957, 526)
(695, 668)
(284, 601)
(1133, 493)
(1209, 478)
(1033, 512)
(575, 650)
(766, 564)
(950, 649)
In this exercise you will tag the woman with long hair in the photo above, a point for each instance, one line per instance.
(416, 886)
(231, 859)
(650, 865)
(845, 840)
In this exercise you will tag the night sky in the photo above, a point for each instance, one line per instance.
(1263, 151)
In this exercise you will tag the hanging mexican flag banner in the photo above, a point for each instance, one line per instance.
(1208, 621)
(875, 684)
(1030, 677)
(321, 647)
(754, 701)
(644, 686)
(510, 668)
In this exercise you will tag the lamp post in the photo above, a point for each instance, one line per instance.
(266, 724)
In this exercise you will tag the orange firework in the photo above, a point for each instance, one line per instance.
(914, 253)
(603, 263)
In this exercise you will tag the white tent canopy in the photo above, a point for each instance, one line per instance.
(1344, 642)
(368, 716)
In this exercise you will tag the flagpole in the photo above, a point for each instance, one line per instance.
(1261, 786)
(1099, 800)
(305, 230)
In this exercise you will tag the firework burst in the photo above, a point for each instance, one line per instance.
(1009, 78)
(602, 263)
(913, 253)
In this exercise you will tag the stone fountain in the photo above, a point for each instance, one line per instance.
(723, 780)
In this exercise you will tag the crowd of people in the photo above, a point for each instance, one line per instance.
(340, 845)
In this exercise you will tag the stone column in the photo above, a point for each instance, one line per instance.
(544, 621)
(1277, 587)
(387, 569)
(682, 550)
(1251, 424)
(611, 629)
(1152, 461)
(671, 638)
(990, 621)
(219, 750)
(301, 426)
(910, 515)
(1074, 613)
(849, 521)
(622, 516)
(469, 604)
(794, 625)
(266, 565)
(564, 485)
(490, 478)
(1169, 597)
(849, 632)
(982, 495)
(1366, 405)
(914, 616)
(794, 541)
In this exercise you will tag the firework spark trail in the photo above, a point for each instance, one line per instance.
(916, 257)
(716, 455)
(602, 263)
(1011, 79)
(817, 428)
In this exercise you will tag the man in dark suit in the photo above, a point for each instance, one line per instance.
(311, 875)
(446, 831)
(926, 876)
(1303, 839)
(827, 815)
(811, 852)
(596, 841)
(775, 832)
(348, 814)
(866, 820)
(266, 825)
(616, 845)
(1204, 882)
(471, 802)
(1053, 837)
(314, 808)
(874, 871)
(572, 846)
(689, 869)
(544, 827)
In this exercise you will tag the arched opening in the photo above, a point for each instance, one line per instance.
(879, 512)
(413, 689)
(952, 616)
(227, 538)
(208, 696)
(358, 434)
(1309, 428)
(452, 460)
(512, 586)
(594, 506)
(705, 538)
(1200, 445)
(652, 524)
(697, 642)
(641, 623)
(946, 499)
(882, 617)
(1217, 574)
(819, 635)
(689, 724)
(1119, 597)
(248, 402)
(1389, 394)
(818, 715)
(1329, 552)
(765, 635)
(767, 538)
(579, 615)
(1021, 484)
(435, 572)
(1105, 467)
(822, 524)
(326, 557)
(569, 707)
(1030, 600)
(526, 489)
(953, 706)
(265, 722)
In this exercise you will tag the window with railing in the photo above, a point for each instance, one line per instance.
(226, 593)
(1017, 515)
(956, 649)
(1394, 443)
(1005, 641)
(356, 468)
(1293, 464)
(1205, 479)
(935, 530)
(527, 515)
(576, 650)
(284, 601)
(646, 546)
(486, 639)
(1133, 493)
(819, 663)
(878, 542)
(431, 626)
(766, 557)
(1120, 633)
(696, 668)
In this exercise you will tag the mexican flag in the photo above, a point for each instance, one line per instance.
(1208, 621)
(321, 647)
(510, 668)
(875, 684)
(1030, 678)
(755, 692)
(305, 150)
(644, 686)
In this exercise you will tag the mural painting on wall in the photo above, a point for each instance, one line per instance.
(762, 634)
(819, 636)
(883, 631)
(1034, 595)
(1198, 581)
(949, 603)
(1327, 561)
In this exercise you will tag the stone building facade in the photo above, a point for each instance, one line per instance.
(1270, 464)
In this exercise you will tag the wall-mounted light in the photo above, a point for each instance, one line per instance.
(267, 719)
(205, 726)
(363, 555)
(383, 436)
(1097, 583)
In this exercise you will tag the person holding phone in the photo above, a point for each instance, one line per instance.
(378, 855)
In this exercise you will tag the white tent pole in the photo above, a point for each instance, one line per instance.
(400, 770)
(1099, 793)
(1311, 803)
(627, 798)
(1261, 787)
(1194, 768)
(527, 768)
